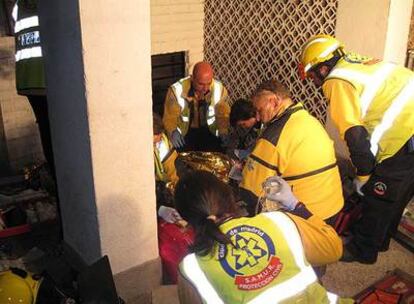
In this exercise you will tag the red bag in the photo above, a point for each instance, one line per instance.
(380, 296)
(173, 243)
(350, 213)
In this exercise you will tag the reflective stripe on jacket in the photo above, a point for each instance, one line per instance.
(164, 160)
(265, 264)
(380, 98)
(296, 146)
(177, 111)
(30, 75)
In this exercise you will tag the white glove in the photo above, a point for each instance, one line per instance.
(358, 183)
(242, 154)
(169, 214)
(278, 190)
(177, 139)
(225, 140)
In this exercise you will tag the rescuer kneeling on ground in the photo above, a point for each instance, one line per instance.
(260, 259)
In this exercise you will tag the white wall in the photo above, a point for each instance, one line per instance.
(398, 31)
(177, 26)
(118, 84)
(362, 25)
(378, 28)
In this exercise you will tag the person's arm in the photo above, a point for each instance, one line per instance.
(169, 166)
(233, 142)
(345, 110)
(171, 112)
(187, 293)
(321, 243)
(223, 113)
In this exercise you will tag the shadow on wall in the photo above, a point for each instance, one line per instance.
(6, 69)
(125, 220)
(127, 223)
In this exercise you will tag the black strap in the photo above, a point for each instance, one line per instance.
(275, 127)
(311, 173)
(264, 163)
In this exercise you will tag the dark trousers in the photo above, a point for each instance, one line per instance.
(386, 194)
(201, 139)
(39, 106)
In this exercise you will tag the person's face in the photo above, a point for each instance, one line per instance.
(318, 78)
(201, 83)
(247, 123)
(266, 107)
(157, 138)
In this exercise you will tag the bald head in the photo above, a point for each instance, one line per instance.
(202, 68)
(202, 78)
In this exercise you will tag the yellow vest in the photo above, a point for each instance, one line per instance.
(164, 158)
(297, 147)
(385, 106)
(264, 264)
(184, 85)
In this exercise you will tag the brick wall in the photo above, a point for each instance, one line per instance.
(177, 25)
(20, 132)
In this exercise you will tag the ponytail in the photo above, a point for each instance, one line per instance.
(204, 201)
(207, 234)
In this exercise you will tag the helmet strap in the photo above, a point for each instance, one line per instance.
(329, 63)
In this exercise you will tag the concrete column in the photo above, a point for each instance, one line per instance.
(98, 70)
(377, 28)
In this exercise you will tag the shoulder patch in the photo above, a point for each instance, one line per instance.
(252, 248)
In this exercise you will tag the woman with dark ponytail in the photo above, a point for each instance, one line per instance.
(205, 202)
(260, 259)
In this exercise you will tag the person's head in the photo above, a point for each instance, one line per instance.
(242, 114)
(204, 201)
(269, 99)
(157, 127)
(319, 55)
(202, 77)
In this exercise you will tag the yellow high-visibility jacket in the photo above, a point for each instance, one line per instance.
(164, 160)
(378, 97)
(268, 262)
(177, 110)
(296, 147)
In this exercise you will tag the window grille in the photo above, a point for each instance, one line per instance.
(410, 59)
(251, 41)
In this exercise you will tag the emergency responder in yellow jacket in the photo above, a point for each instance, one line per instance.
(295, 146)
(261, 259)
(196, 111)
(164, 153)
(372, 105)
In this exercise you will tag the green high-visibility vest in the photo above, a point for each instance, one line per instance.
(30, 74)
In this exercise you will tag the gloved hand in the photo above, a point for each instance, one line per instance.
(224, 138)
(169, 214)
(278, 190)
(242, 154)
(358, 182)
(177, 139)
